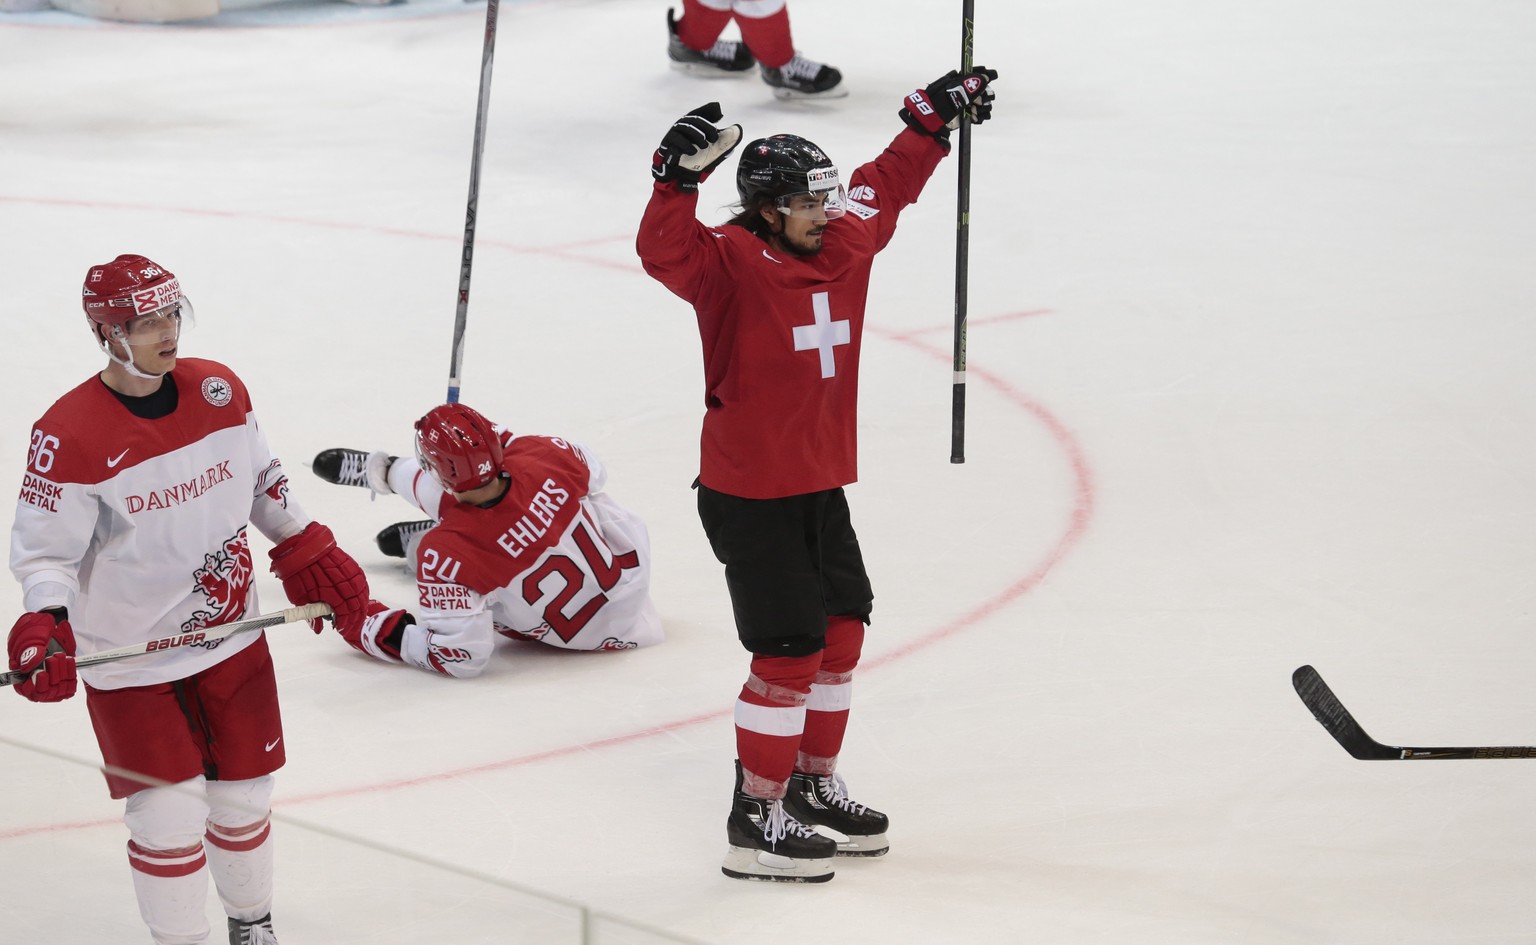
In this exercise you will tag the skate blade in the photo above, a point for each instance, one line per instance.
(790, 95)
(700, 70)
(761, 866)
(873, 844)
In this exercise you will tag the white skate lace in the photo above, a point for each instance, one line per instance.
(834, 791)
(723, 49)
(261, 934)
(778, 824)
(354, 469)
(801, 68)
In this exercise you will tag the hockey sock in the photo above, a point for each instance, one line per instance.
(702, 23)
(410, 482)
(172, 889)
(770, 718)
(165, 852)
(240, 859)
(826, 715)
(239, 845)
(765, 29)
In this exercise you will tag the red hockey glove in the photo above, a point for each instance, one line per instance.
(39, 642)
(381, 632)
(693, 147)
(936, 110)
(314, 571)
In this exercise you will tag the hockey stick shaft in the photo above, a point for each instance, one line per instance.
(201, 637)
(1340, 723)
(471, 208)
(962, 246)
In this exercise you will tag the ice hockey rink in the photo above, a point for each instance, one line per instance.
(1252, 318)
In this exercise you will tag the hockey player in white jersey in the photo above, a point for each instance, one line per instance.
(132, 525)
(523, 542)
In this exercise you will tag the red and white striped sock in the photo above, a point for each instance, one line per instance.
(172, 889)
(240, 860)
(770, 719)
(831, 696)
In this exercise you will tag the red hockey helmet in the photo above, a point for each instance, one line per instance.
(459, 447)
(127, 287)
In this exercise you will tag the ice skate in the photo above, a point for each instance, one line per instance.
(823, 801)
(768, 845)
(726, 58)
(254, 932)
(396, 540)
(802, 78)
(355, 468)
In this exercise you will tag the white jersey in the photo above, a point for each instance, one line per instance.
(138, 526)
(554, 560)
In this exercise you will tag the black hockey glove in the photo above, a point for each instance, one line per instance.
(936, 109)
(693, 147)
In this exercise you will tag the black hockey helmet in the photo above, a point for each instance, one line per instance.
(780, 165)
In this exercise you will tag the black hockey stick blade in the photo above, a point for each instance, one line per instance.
(1331, 714)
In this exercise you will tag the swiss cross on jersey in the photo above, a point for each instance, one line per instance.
(823, 334)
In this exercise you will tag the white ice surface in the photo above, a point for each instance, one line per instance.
(1251, 291)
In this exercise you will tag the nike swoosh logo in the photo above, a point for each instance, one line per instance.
(273, 744)
(112, 463)
(770, 258)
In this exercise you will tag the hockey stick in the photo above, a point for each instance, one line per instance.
(1328, 710)
(466, 260)
(203, 637)
(962, 246)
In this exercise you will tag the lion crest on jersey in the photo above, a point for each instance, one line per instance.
(223, 580)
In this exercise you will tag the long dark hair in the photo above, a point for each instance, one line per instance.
(751, 216)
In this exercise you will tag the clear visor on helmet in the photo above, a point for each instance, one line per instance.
(826, 200)
(157, 327)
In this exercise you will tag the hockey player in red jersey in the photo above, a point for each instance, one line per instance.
(523, 541)
(779, 294)
(694, 46)
(139, 488)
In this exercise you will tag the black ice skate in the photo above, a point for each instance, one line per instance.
(768, 845)
(255, 932)
(823, 801)
(396, 538)
(355, 468)
(803, 78)
(724, 58)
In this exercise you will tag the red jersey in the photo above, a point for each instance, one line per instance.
(781, 333)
